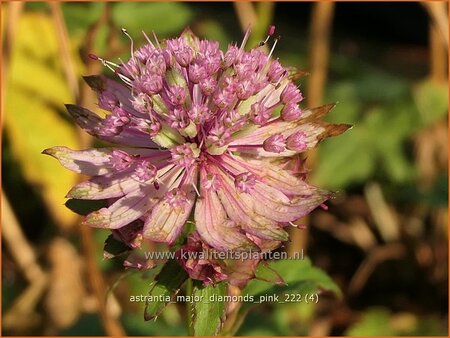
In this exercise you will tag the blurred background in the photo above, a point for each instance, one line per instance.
(384, 239)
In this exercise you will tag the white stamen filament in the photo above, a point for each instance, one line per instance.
(148, 39)
(273, 48)
(125, 79)
(110, 63)
(265, 41)
(246, 36)
(124, 31)
(196, 190)
(107, 64)
(156, 39)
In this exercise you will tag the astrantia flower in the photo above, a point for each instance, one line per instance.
(203, 132)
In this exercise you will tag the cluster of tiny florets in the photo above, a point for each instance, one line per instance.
(202, 133)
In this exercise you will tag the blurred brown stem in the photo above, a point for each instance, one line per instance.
(438, 13)
(110, 324)
(24, 306)
(384, 216)
(14, 10)
(246, 14)
(64, 47)
(377, 256)
(438, 41)
(431, 143)
(18, 245)
(319, 51)
(22, 252)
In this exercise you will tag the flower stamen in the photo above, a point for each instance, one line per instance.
(196, 190)
(124, 31)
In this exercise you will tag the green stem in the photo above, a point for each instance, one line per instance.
(189, 321)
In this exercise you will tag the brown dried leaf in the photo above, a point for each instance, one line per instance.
(317, 113)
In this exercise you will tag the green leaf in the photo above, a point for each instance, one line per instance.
(432, 100)
(373, 323)
(336, 154)
(379, 321)
(164, 288)
(209, 312)
(368, 144)
(79, 16)
(348, 108)
(389, 142)
(135, 326)
(164, 18)
(283, 277)
(299, 276)
(114, 248)
(375, 85)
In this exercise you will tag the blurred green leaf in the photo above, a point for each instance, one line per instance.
(348, 108)
(375, 85)
(299, 276)
(87, 325)
(373, 323)
(79, 16)
(259, 323)
(290, 319)
(264, 12)
(432, 100)
(166, 285)
(381, 108)
(381, 322)
(135, 326)
(370, 145)
(164, 18)
(388, 143)
(208, 314)
(336, 154)
(213, 30)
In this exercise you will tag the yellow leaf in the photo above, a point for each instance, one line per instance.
(36, 90)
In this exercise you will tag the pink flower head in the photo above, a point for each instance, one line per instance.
(291, 94)
(275, 143)
(199, 132)
(291, 112)
(297, 141)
